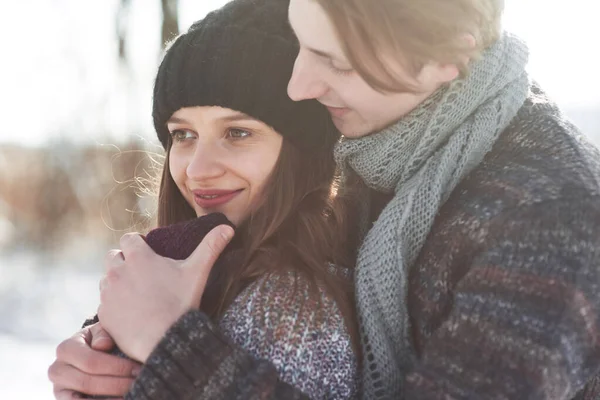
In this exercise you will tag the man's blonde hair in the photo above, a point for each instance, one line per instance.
(412, 32)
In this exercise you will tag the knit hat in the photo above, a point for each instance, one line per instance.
(240, 57)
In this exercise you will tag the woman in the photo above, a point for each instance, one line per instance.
(237, 145)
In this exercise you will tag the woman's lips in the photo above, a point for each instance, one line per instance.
(213, 198)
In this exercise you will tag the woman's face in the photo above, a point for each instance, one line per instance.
(221, 159)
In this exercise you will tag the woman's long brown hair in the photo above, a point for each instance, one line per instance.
(297, 228)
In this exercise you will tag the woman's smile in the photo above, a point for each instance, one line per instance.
(212, 198)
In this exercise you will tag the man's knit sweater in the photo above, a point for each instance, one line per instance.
(504, 298)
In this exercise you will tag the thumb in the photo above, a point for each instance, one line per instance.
(210, 248)
(201, 261)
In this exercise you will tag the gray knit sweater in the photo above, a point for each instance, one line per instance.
(504, 298)
(301, 339)
(307, 341)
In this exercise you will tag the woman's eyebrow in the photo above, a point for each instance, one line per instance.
(239, 117)
(227, 118)
(176, 120)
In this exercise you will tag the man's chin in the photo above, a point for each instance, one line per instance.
(349, 130)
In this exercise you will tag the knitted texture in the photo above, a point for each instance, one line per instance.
(422, 158)
(285, 337)
(241, 57)
(306, 340)
(195, 361)
(274, 319)
(178, 241)
(504, 297)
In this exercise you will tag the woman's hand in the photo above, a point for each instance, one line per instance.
(143, 294)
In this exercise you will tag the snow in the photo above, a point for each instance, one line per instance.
(23, 368)
(42, 302)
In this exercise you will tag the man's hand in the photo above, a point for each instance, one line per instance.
(143, 294)
(83, 366)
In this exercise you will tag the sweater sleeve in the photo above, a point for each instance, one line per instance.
(272, 343)
(300, 330)
(194, 360)
(524, 321)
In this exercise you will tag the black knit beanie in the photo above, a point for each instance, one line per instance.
(241, 57)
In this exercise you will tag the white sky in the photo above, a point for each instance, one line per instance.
(59, 74)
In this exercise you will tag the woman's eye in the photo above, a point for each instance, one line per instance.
(181, 135)
(235, 133)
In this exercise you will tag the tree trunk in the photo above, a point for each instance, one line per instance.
(170, 24)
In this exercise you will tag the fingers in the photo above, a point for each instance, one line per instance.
(67, 379)
(66, 394)
(103, 284)
(114, 258)
(80, 355)
(101, 340)
(114, 261)
(134, 247)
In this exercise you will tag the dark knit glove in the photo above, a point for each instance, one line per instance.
(178, 241)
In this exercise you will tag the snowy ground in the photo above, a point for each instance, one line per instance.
(23, 365)
(42, 302)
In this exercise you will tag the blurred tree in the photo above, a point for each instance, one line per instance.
(169, 25)
(121, 25)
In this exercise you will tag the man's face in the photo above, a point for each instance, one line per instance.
(322, 72)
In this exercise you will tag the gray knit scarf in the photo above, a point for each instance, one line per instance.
(421, 159)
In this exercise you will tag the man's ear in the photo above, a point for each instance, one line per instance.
(446, 73)
(470, 43)
(434, 74)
